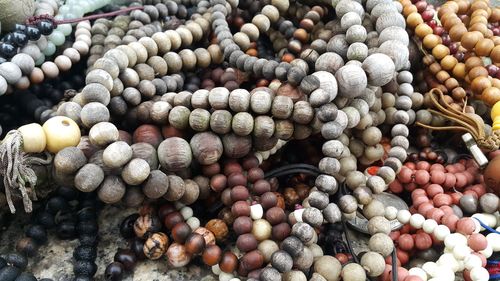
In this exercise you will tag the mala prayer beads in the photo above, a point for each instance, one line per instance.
(183, 110)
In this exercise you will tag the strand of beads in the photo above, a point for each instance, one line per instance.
(459, 253)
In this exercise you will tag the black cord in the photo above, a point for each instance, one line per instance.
(293, 169)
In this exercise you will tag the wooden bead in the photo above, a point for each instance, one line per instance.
(195, 244)
(228, 262)
(174, 159)
(479, 84)
(218, 228)
(212, 255)
(177, 255)
(156, 245)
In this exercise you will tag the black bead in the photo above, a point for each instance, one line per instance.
(17, 260)
(3, 262)
(138, 248)
(87, 227)
(46, 219)
(66, 230)
(9, 273)
(127, 258)
(85, 268)
(45, 27)
(87, 214)
(9, 38)
(8, 50)
(46, 279)
(37, 232)
(114, 272)
(33, 33)
(20, 38)
(56, 204)
(83, 278)
(127, 226)
(20, 27)
(68, 193)
(88, 240)
(86, 253)
(26, 276)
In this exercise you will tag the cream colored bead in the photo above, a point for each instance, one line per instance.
(186, 212)
(256, 211)
(61, 132)
(193, 222)
(404, 216)
(33, 137)
(429, 225)
(417, 220)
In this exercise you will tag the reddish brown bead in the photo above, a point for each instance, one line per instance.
(250, 162)
(242, 225)
(261, 187)
(218, 182)
(291, 197)
(210, 170)
(155, 246)
(195, 244)
(281, 231)
(235, 179)
(255, 174)
(228, 262)
(164, 210)
(232, 166)
(302, 190)
(281, 200)
(252, 260)
(225, 197)
(246, 242)
(218, 228)
(212, 255)
(268, 200)
(275, 215)
(241, 208)
(207, 235)
(239, 193)
(226, 215)
(180, 232)
(172, 219)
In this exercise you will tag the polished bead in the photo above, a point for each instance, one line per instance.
(45, 27)
(33, 33)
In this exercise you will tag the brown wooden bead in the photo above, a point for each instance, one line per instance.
(451, 83)
(218, 228)
(156, 245)
(291, 197)
(211, 170)
(242, 225)
(146, 224)
(148, 134)
(212, 255)
(261, 187)
(218, 182)
(195, 244)
(281, 231)
(239, 193)
(207, 235)
(458, 93)
(473, 62)
(228, 262)
(491, 95)
(281, 200)
(235, 179)
(172, 219)
(479, 84)
(241, 208)
(275, 215)
(442, 76)
(180, 232)
(164, 210)
(226, 215)
(246, 242)
(255, 174)
(477, 72)
(268, 200)
(231, 167)
(252, 260)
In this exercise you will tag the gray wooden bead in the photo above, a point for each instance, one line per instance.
(379, 69)
(176, 188)
(282, 107)
(332, 213)
(100, 76)
(269, 273)
(329, 165)
(111, 190)
(312, 216)
(146, 152)
(304, 232)
(89, 177)
(206, 147)
(242, 123)
(292, 245)
(236, 146)
(119, 57)
(283, 129)
(348, 204)
(318, 199)
(117, 154)
(132, 96)
(331, 130)
(174, 154)
(103, 133)
(179, 117)
(381, 243)
(349, 19)
(327, 82)
(135, 172)
(355, 33)
(25, 62)
(220, 121)
(397, 51)
(390, 19)
(317, 277)
(338, 44)
(95, 92)
(263, 127)
(260, 102)
(303, 113)
(69, 160)
(218, 98)
(93, 113)
(156, 185)
(239, 100)
(357, 51)
(10, 72)
(159, 112)
(345, 6)
(129, 77)
(70, 109)
(394, 33)
(382, 8)
(398, 152)
(199, 120)
(351, 81)
(489, 202)
(326, 184)
(327, 112)
(400, 130)
(199, 99)
(183, 98)
(282, 261)
(294, 275)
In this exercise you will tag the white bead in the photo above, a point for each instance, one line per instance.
(488, 251)
(391, 213)
(454, 239)
(193, 222)
(404, 216)
(256, 211)
(417, 271)
(447, 250)
(448, 260)
(429, 226)
(444, 273)
(417, 220)
(430, 267)
(461, 266)
(216, 269)
(472, 261)
(235, 279)
(461, 251)
(479, 274)
(186, 212)
(298, 214)
(223, 276)
(178, 205)
(441, 231)
(478, 227)
(494, 240)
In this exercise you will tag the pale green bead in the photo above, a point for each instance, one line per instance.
(57, 37)
(59, 17)
(50, 50)
(70, 16)
(63, 9)
(40, 60)
(65, 29)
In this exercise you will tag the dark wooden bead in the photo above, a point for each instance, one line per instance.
(146, 224)
(85, 268)
(239, 193)
(255, 174)
(268, 200)
(46, 219)
(236, 179)
(281, 231)
(241, 208)
(261, 187)
(88, 240)
(9, 273)
(246, 242)
(164, 210)
(87, 227)
(172, 219)
(26, 276)
(195, 244)
(275, 215)
(218, 228)
(127, 226)
(242, 225)
(181, 232)
(114, 271)
(138, 247)
(228, 262)
(212, 255)
(127, 258)
(87, 253)
(252, 260)
(218, 182)
(17, 260)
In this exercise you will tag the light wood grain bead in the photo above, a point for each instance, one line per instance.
(175, 39)
(174, 62)
(159, 112)
(221, 121)
(282, 107)
(159, 65)
(239, 100)
(216, 53)
(203, 58)
(49, 69)
(188, 58)
(163, 42)
(199, 120)
(140, 50)
(130, 53)
(150, 46)
(283, 129)
(179, 117)
(242, 123)
(199, 99)
(260, 102)
(219, 98)
(195, 30)
(263, 127)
